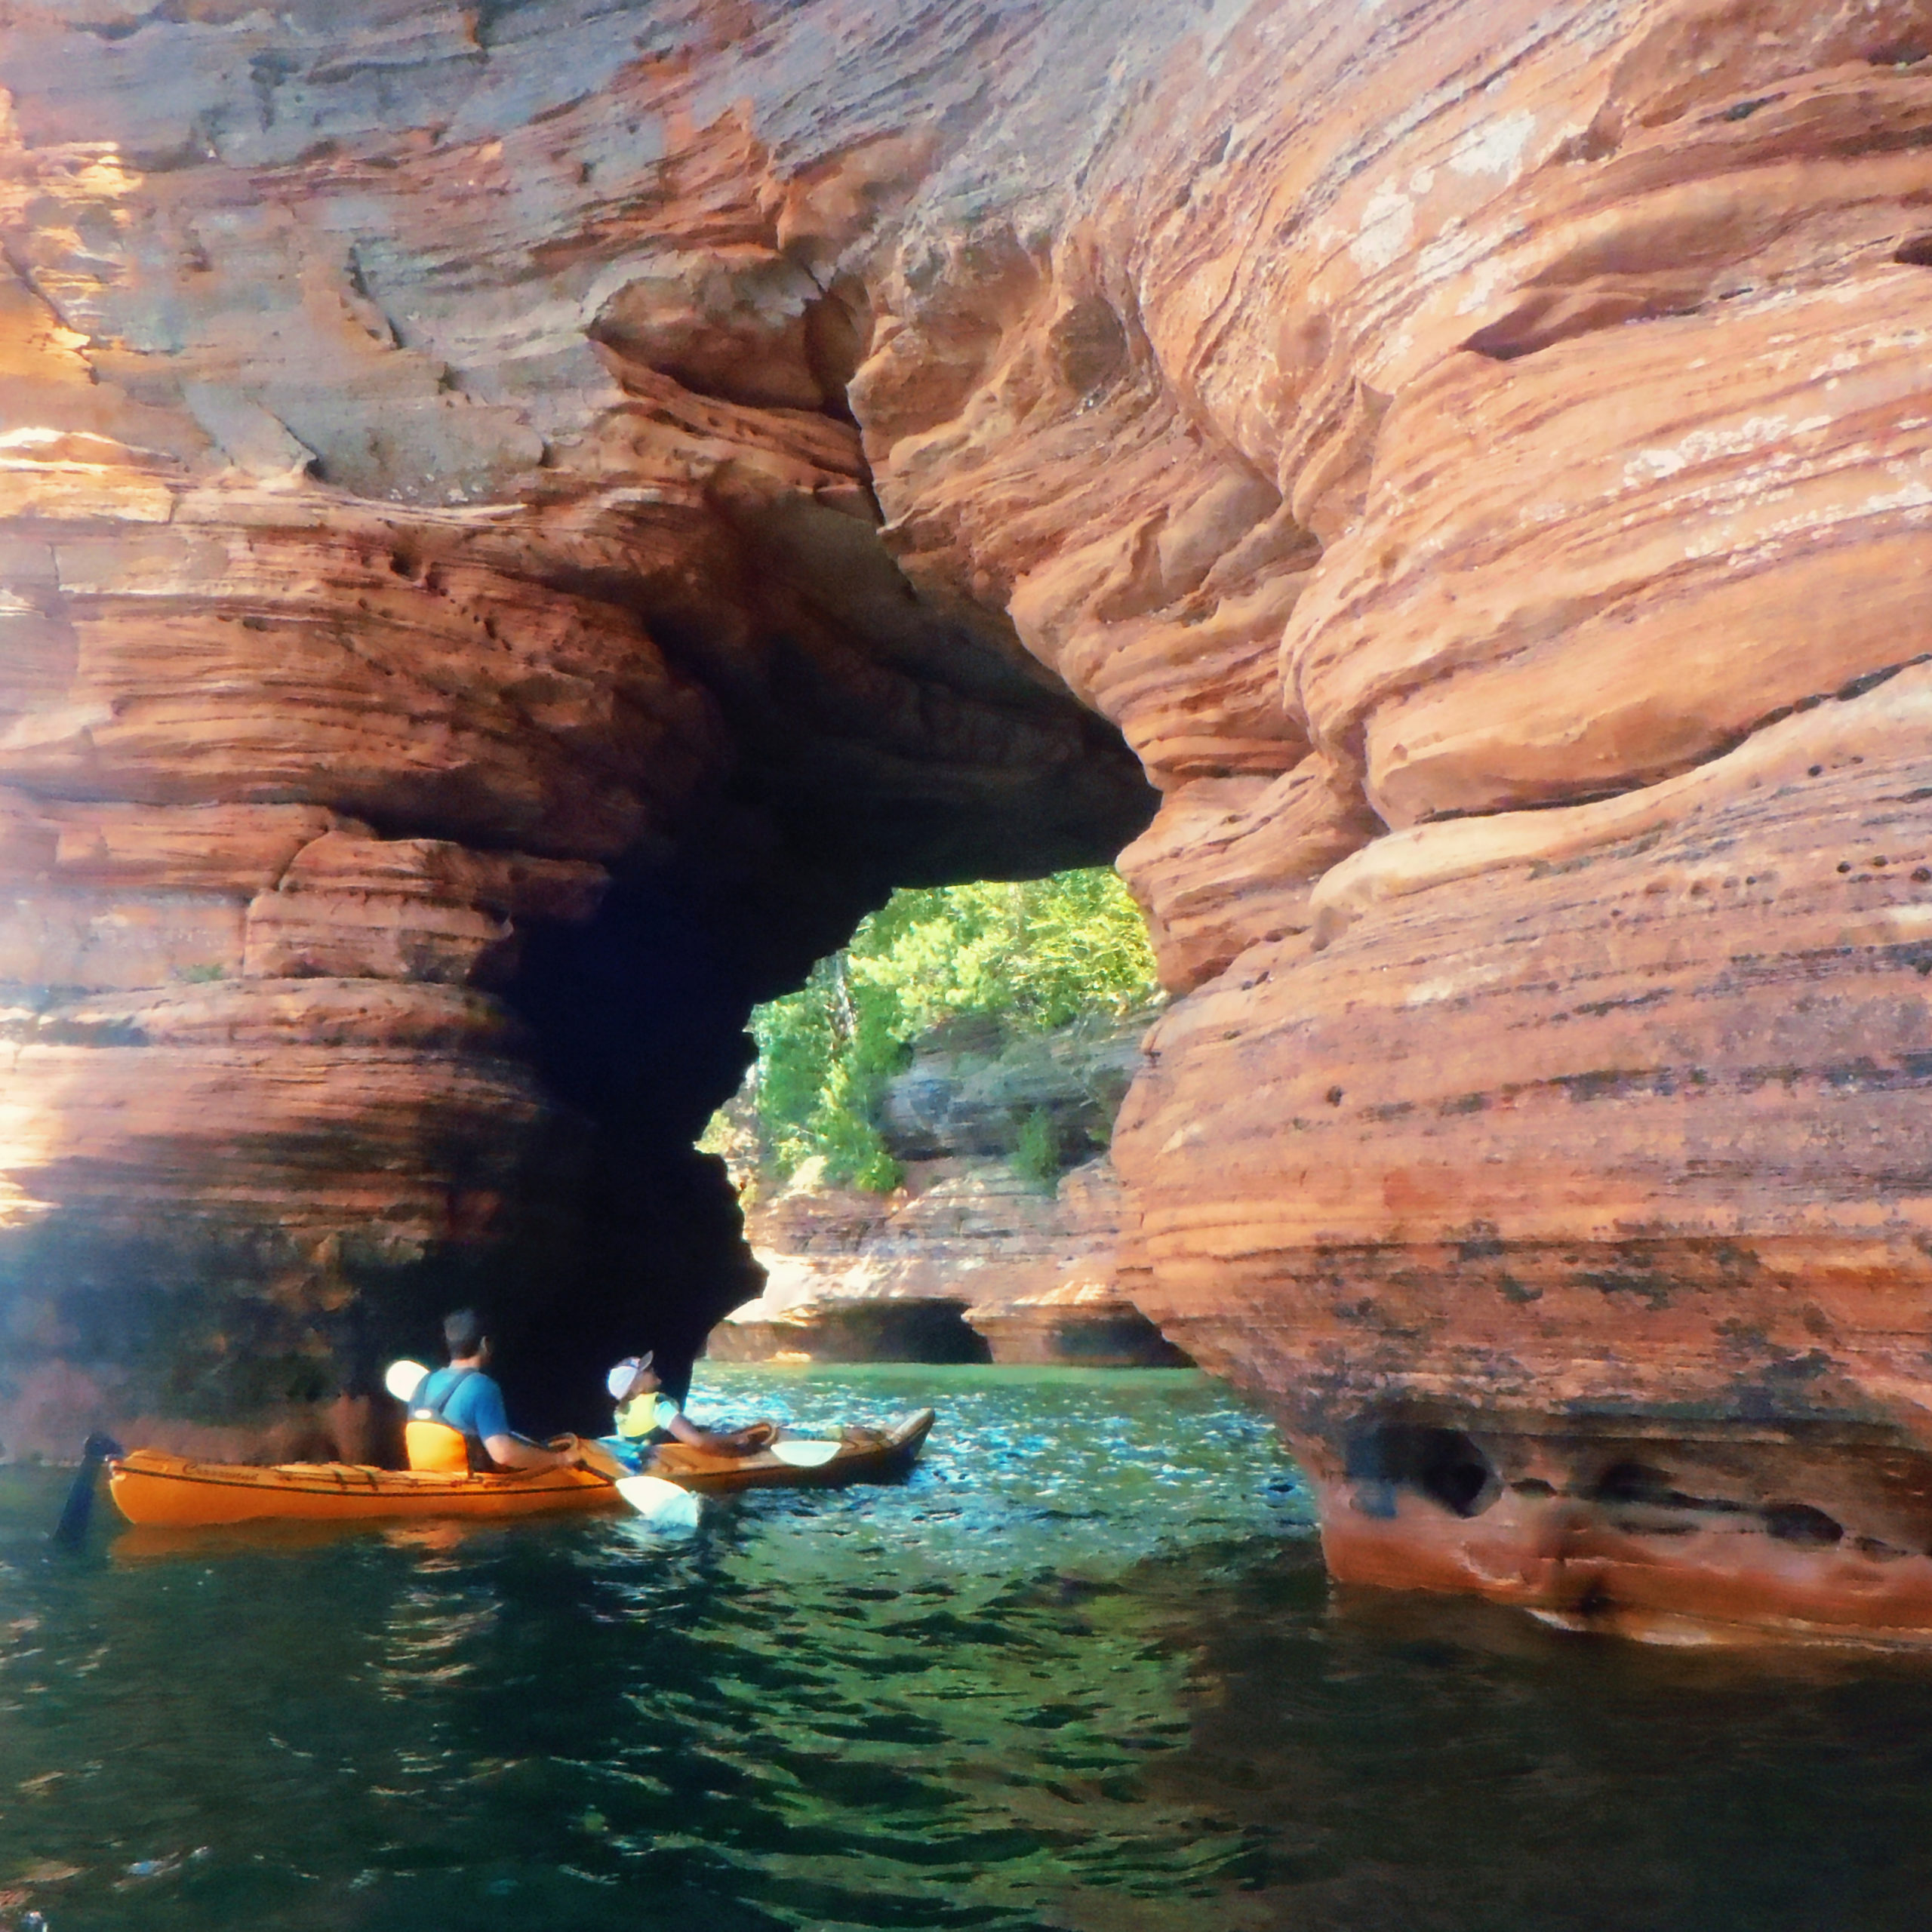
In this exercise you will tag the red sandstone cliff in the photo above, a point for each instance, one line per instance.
(1476, 456)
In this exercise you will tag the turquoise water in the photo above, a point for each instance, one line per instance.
(1082, 1672)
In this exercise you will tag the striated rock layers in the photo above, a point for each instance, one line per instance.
(989, 1249)
(1476, 456)
(449, 670)
(968, 1261)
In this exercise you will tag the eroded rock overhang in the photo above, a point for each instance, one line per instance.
(1475, 456)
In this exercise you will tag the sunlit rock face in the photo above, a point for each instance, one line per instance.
(998, 1242)
(1476, 457)
(966, 1260)
(1479, 458)
(449, 668)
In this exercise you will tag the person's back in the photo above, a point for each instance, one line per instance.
(646, 1417)
(456, 1420)
(453, 1414)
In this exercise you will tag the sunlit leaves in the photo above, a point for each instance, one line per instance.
(1034, 954)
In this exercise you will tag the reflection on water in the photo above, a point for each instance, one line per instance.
(1082, 1672)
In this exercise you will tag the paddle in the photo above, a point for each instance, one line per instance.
(72, 1527)
(592, 1455)
(662, 1505)
(402, 1378)
(805, 1455)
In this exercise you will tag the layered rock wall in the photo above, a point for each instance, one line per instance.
(448, 670)
(1476, 457)
(989, 1247)
(1517, 424)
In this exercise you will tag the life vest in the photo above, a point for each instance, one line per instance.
(647, 1418)
(432, 1441)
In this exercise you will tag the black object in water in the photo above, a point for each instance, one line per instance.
(72, 1530)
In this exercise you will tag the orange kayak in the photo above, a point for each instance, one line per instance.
(863, 1455)
(172, 1492)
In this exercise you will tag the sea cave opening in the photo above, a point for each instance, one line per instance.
(642, 1022)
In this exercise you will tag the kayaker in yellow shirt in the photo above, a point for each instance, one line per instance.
(647, 1416)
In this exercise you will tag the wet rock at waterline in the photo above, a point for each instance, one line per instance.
(1003, 1240)
(618, 496)
(968, 1260)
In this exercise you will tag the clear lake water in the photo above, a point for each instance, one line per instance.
(1083, 1673)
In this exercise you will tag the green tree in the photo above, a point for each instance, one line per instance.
(1035, 954)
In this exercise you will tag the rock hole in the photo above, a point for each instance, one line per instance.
(1633, 1482)
(1878, 1550)
(1089, 345)
(1799, 1523)
(1334, 1096)
(1442, 1464)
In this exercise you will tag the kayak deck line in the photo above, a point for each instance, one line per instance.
(153, 1488)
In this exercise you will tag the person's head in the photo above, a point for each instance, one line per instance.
(633, 1376)
(463, 1336)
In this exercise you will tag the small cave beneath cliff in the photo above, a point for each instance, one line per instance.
(1445, 1465)
(637, 1022)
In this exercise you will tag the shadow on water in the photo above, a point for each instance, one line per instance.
(1082, 1672)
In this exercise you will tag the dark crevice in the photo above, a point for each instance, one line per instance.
(1443, 1465)
(1800, 1523)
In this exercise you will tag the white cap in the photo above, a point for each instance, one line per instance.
(627, 1371)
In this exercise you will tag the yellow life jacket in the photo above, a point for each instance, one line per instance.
(429, 1440)
(645, 1416)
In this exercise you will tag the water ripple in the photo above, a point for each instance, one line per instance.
(1080, 1674)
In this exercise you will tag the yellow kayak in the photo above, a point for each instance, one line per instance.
(174, 1492)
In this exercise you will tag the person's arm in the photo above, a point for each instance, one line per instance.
(508, 1451)
(754, 1435)
(511, 1452)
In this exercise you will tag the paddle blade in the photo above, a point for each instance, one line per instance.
(72, 1529)
(806, 1455)
(402, 1378)
(662, 1505)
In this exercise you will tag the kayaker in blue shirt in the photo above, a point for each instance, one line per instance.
(456, 1419)
(647, 1416)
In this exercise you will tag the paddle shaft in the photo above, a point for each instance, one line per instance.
(72, 1527)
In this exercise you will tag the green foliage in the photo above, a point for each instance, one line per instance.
(1036, 1156)
(1035, 955)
